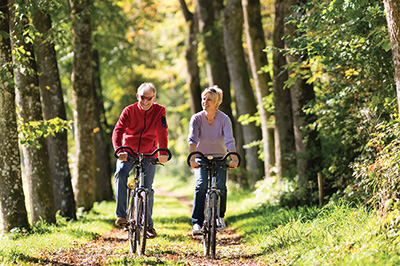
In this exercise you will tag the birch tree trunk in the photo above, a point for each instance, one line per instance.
(245, 100)
(82, 94)
(36, 160)
(13, 212)
(53, 106)
(392, 11)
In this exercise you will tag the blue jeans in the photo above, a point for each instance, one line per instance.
(200, 191)
(121, 190)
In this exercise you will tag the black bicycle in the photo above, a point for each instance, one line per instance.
(212, 204)
(138, 200)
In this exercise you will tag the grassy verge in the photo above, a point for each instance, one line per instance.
(337, 234)
(20, 247)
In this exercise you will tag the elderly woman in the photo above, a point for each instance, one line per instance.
(210, 133)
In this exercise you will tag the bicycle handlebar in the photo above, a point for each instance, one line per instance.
(147, 155)
(212, 158)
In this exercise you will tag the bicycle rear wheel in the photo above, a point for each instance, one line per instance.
(141, 222)
(213, 225)
(131, 222)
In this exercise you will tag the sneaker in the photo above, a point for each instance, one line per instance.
(221, 224)
(121, 221)
(196, 230)
(151, 233)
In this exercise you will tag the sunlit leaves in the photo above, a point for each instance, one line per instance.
(32, 131)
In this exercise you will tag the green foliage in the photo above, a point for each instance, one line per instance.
(34, 130)
(377, 172)
(345, 47)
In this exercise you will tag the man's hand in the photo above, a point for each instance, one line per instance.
(163, 158)
(123, 156)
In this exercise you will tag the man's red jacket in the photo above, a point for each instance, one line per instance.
(141, 130)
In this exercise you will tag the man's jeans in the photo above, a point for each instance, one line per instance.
(201, 191)
(121, 190)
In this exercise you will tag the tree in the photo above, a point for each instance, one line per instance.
(284, 137)
(245, 100)
(211, 33)
(302, 93)
(53, 106)
(392, 11)
(12, 201)
(36, 159)
(212, 39)
(102, 188)
(82, 93)
(258, 59)
(191, 43)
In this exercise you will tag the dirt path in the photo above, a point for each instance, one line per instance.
(113, 246)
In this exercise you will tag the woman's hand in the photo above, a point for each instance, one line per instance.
(233, 164)
(194, 165)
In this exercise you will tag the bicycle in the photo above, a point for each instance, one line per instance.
(212, 204)
(138, 200)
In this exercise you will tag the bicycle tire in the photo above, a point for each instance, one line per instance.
(213, 225)
(141, 220)
(132, 223)
(206, 227)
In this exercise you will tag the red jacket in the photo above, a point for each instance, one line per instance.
(141, 130)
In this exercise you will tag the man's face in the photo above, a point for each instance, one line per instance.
(146, 99)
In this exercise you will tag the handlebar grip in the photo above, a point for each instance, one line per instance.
(124, 148)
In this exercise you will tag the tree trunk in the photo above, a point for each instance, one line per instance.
(245, 100)
(284, 136)
(37, 162)
(307, 145)
(191, 43)
(216, 65)
(82, 94)
(53, 106)
(102, 189)
(12, 200)
(212, 38)
(392, 11)
(258, 59)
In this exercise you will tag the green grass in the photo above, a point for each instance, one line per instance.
(337, 234)
(20, 245)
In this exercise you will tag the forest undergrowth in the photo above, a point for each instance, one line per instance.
(257, 234)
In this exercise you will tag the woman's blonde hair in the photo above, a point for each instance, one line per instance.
(215, 92)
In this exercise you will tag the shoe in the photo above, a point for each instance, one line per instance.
(151, 233)
(121, 221)
(221, 226)
(196, 230)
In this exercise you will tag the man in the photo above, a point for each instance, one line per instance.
(141, 126)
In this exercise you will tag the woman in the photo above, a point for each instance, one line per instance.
(210, 133)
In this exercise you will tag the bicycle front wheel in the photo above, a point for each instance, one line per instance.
(141, 220)
(131, 222)
(213, 225)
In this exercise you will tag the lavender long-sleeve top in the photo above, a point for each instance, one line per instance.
(215, 139)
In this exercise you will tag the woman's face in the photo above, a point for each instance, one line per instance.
(208, 103)
(146, 99)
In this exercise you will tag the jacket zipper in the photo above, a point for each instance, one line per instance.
(141, 133)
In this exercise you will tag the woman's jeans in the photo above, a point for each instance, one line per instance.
(121, 189)
(201, 191)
